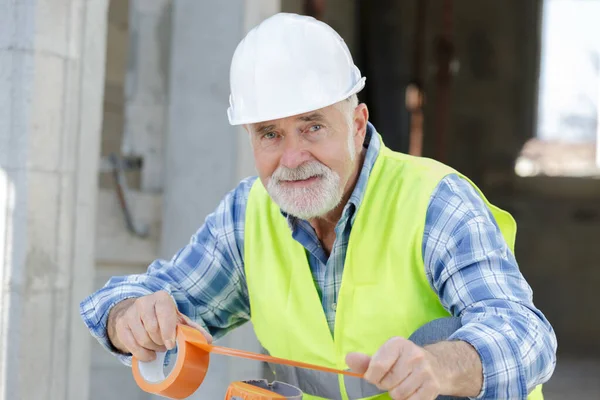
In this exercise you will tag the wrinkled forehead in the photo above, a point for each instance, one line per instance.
(321, 115)
(277, 123)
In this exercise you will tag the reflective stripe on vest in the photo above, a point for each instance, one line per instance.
(324, 384)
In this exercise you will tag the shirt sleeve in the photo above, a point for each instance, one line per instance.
(205, 278)
(468, 263)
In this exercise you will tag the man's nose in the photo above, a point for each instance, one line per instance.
(294, 155)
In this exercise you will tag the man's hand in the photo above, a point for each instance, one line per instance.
(408, 371)
(147, 324)
(404, 369)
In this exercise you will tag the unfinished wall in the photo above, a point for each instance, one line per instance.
(384, 55)
(557, 247)
(492, 114)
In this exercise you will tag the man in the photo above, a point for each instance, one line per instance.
(342, 252)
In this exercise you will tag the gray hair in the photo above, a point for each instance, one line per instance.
(347, 107)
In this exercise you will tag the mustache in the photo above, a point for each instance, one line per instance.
(304, 171)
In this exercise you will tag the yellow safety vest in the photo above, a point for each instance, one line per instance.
(384, 290)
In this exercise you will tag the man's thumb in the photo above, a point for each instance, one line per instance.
(358, 362)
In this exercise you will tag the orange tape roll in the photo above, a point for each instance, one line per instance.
(192, 363)
(187, 374)
(261, 390)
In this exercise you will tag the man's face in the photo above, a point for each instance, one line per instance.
(306, 161)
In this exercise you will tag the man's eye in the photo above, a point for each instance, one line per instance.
(315, 128)
(270, 135)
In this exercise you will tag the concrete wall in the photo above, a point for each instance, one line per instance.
(113, 121)
(147, 88)
(51, 86)
(168, 88)
(117, 251)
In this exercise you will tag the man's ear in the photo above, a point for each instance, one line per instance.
(361, 118)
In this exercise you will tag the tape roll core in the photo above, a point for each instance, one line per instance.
(187, 374)
(153, 371)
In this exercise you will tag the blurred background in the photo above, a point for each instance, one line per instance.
(114, 146)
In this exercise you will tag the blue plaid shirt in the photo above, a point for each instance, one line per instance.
(467, 262)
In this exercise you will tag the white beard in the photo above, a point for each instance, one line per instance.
(312, 201)
(315, 200)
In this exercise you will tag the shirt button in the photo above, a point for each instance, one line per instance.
(334, 306)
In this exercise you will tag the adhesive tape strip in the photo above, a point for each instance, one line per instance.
(262, 390)
(186, 376)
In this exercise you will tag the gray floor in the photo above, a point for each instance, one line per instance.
(574, 379)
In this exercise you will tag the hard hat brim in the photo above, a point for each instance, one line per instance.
(270, 117)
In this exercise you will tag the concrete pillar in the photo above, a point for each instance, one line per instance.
(51, 80)
(205, 156)
(146, 89)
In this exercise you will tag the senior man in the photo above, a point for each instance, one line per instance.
(341, 252)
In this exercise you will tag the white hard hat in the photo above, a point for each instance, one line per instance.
(288, 65)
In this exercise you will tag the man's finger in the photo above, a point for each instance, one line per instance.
(383, 360)
(424, 393)
(407, 388)
(150, 322)
(126, 337)
(187, 320)
(166, 315)
(395, 376)
(140, 335)
(358, 362)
